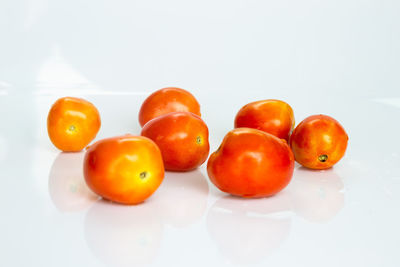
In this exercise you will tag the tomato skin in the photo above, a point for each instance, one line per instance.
(166, 100)
(125, 169)
(182, 138)
(272, 116)
(72, 123)
(251, 163)
(316, 137)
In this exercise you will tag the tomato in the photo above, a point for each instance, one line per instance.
(318, 142)
(167, 100)
(124, 169)
(72, 123)
(251, 163)
(272, 116)
(182, 138)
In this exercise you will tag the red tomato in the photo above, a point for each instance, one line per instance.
(167, 100)
(125, 169)
(72, 123)
(272, 116)
(318, 142)
(251, 163)
(182, 138)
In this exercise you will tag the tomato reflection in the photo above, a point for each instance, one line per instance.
(247, 231)
(67, 187)
(121, 235)
(183, 197)
(317, 196)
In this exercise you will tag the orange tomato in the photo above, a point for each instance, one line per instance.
(72, 123)
(251, 163)
(182, 138)
(167, 100)
(125, 169)
(318, 142)
(272, 116)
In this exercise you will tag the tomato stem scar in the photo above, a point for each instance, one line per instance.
(323, 158)
(72, 128)
(143, 175)
(198, 140)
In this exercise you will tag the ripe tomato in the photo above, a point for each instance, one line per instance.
(272, 116)
(251, 163)
(182, 138)
(318, 142)
(125, 169)
(72, 123)
(167, 100)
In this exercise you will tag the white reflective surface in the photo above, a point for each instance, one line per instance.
(339, 58)
(345, 215)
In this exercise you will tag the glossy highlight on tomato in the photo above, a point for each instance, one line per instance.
(319, 142)
(251, 163)
(167, 100)
(182, 138)
(272, 116)
(125, 169)
(72, 123)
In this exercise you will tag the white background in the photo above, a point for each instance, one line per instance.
(339, 58)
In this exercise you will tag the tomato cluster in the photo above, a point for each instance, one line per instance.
(256, 159)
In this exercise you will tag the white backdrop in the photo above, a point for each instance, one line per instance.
(317, 47)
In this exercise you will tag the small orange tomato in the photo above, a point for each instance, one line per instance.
(72, 123)
(182, 138)
(167, 100)
(272, 116)
(251, 163)
(125, 169)
(318, 142)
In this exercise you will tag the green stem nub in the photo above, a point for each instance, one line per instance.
(323, 158)
(143, 175)
(198, 140)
